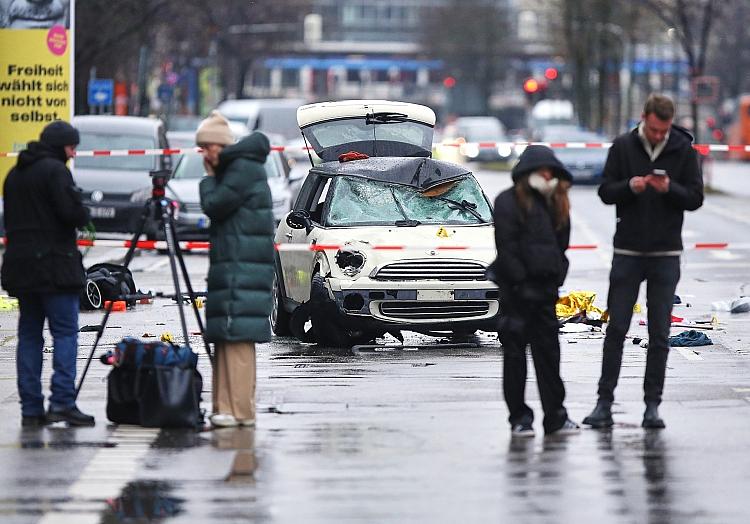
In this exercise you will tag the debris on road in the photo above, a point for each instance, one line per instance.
(690, 338)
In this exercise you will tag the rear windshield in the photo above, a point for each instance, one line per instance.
(360, 201)
(100, 141)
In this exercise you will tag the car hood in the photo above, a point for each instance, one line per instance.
(432, 242)
(187, 190)
(110, 181)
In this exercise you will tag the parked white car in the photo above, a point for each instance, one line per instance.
(367, 248)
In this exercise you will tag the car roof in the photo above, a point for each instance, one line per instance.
(251, 106)
(421, 173)
(314, 113)
(112, 124)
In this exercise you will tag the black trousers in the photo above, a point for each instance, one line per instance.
(661, 275)
(535, 324)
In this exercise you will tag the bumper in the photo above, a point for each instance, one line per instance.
(115, 217)
(417, 306)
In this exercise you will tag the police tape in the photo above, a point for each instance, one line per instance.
(204, 246)
(704, 149)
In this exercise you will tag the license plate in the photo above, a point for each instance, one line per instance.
(434, 294)
(102, 212)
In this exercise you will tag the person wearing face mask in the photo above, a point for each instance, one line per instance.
(532, 231)
(236, 197)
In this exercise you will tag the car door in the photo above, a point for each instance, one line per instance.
(295, 245)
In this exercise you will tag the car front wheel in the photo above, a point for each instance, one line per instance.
(279, 316)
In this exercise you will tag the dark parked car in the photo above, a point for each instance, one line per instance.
(113, 186)
(585, 164)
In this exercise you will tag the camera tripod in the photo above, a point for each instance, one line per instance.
(158, 208)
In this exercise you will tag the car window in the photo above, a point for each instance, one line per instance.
(191, 166)
(360, 201)
(101, 141)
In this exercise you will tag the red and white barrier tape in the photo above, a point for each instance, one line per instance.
(704, 149)
(203, 246)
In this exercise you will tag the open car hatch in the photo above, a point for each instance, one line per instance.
(377, 128)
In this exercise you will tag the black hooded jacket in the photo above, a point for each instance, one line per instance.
(651, 221)
(530, 249)
(42, 209)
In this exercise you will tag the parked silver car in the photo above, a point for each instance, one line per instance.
(191, 222)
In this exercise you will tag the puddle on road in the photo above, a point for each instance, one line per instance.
(143, 502)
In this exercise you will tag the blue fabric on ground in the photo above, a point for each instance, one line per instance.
(690, 338)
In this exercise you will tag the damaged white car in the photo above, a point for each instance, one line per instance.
(382, 238)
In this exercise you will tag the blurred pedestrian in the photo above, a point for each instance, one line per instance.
(652, 177)
(43, 268)
(532, 231)
(236, 197)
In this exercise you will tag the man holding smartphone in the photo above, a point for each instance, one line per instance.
(652, 176)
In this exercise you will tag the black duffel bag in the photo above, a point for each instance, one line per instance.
(153, 384)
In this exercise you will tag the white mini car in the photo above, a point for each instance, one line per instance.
(382, 238)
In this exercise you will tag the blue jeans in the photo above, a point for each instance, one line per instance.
(61, 312)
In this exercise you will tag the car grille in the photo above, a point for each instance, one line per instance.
(432, 269)
(426, 310)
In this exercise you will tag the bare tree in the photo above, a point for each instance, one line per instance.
(693, 21)
(470, 37)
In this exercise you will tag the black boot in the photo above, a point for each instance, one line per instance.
(651, 418)
(601, 417)
(72, 415)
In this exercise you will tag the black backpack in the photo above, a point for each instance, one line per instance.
(102, 285)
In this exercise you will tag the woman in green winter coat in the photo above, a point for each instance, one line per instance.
(236, 197)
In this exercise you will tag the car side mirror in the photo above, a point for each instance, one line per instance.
(299, 220)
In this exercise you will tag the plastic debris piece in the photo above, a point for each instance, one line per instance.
(721, 305)
(637, 308)
(644, 343)
(199, 302)
(117, 305)
(677, 319)
(677, 300)
(148, 335)
(167, 337)
(690, 338)
(741, 305)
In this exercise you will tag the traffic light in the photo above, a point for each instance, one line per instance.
(449, 82)
(550, 73)
(530, 86)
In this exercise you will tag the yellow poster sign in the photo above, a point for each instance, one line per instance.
(36, 50)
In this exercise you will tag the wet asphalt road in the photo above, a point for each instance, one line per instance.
(417, 434)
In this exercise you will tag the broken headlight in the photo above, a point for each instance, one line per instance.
(350, 261)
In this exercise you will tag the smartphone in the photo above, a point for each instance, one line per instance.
(659, 172)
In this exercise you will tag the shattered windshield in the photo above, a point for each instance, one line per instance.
(361, 201)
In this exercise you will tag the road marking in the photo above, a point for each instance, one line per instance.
(724, 213)
(724, 255)
(104, 477)
(688, 353)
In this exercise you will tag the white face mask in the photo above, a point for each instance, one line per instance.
(545, 187)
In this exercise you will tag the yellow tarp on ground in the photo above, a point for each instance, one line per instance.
(578, 302)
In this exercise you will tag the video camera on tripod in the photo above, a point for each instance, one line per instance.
(159, 210)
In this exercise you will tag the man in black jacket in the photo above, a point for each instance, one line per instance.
(42, 267)
(652, 176)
